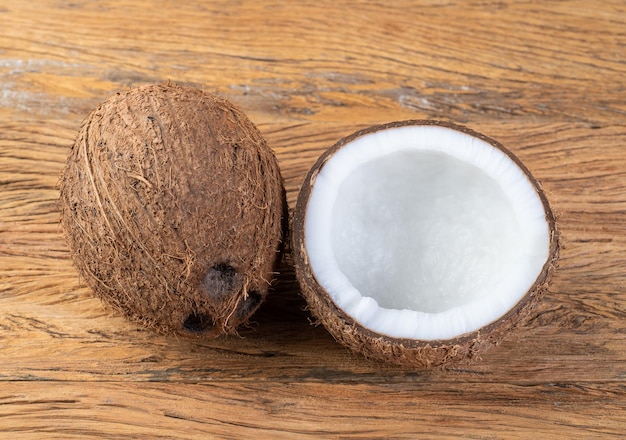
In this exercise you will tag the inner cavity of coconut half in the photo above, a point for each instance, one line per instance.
(424, 232)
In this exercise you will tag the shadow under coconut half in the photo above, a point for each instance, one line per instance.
(421, 243)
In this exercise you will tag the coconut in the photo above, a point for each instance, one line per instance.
(173, 205)
(422, 243)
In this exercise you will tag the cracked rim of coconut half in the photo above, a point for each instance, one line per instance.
(421, 243)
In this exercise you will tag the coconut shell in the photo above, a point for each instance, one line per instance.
(411, 353)
(173, 208)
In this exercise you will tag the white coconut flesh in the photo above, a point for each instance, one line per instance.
(424, 232)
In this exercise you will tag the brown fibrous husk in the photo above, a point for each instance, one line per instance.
(412, 353)
(173, 208)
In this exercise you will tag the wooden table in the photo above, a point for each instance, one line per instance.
(547, 79)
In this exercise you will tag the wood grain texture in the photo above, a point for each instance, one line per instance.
(548, 80)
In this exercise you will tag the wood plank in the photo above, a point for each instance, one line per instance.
(548, 80)
(291, 410)
(405, 59)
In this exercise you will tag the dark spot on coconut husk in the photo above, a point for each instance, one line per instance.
(249, 304)
(220, 281)
(198, 323)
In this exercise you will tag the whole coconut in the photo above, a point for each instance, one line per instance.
(173, 208)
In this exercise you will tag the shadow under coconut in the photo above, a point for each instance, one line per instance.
(283, 317)
(281, 342)
(281, 326)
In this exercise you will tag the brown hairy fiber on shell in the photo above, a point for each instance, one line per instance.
(410, 352)
(172, 205)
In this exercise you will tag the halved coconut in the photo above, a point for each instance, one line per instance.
(421, 243)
